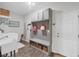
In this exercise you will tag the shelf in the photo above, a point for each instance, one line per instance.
(4, 12)
(43, 42)
(39, 46)
(39, 49)
(2, 16)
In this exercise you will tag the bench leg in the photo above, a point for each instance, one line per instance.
(11, 53)
(14, 53)
(0, 52)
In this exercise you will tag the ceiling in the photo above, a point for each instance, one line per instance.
(22, 8)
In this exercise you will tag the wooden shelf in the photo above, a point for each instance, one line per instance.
(4, 12)
(40, 41)
(39, 49)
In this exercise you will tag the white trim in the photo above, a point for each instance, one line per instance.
(4, 16)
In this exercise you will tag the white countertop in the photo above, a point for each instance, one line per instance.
(9, 43)
(5, 41)
(6, 48)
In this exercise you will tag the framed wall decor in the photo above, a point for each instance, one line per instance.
(13, 23)
(0, 21)
(4, 20)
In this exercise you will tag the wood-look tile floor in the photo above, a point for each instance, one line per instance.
(29, 51)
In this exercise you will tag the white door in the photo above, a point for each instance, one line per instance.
(28, 28)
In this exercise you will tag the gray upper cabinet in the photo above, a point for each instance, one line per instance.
(46, 14)
(40, 15)
(34, 17)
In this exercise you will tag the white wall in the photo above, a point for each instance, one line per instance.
(57, 19)
(70, 33)
(57, 28)
(67, 26)
(28, 19)
(19, 30)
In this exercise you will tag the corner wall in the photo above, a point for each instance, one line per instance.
(65, 33)
(67, 26)
(19, 30)
(57, 32)
(70, 33)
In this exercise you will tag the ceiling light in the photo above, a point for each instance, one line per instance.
(31, 3)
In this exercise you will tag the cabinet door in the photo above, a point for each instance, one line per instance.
(34, 17)
(40, 15)
(46, 14)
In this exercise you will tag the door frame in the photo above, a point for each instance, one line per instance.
(50, 32)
